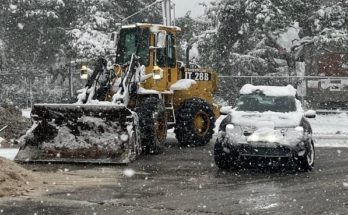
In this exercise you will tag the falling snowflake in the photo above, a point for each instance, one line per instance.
(13, 7)
(129, 172)
(124, 137)
(20, 25)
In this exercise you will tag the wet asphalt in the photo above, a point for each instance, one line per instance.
(186, 181)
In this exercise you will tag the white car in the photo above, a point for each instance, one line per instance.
(267, 122)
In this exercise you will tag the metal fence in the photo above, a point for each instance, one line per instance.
(316, 92)
(24, 90)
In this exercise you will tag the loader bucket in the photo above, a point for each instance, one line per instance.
(88, 133)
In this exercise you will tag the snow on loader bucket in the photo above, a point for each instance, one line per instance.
(86, 133)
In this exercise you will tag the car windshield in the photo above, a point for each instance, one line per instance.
(263, 103)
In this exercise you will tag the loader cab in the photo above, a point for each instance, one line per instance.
(143, 39)
(133, 40)
(155, 45)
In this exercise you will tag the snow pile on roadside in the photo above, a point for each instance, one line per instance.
(14, 180)
(8, 153)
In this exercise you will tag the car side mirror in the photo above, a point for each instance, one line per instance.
(225, 110)
(310, 114)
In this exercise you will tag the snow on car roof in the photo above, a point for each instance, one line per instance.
(269, 90)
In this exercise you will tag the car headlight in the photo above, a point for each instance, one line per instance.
(84, 72)
(299, 129)
(229, 128)
(234, 130)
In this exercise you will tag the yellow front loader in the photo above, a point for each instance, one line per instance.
(125, 109)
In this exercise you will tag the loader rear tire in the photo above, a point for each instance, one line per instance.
(153, 124)
(195, 123)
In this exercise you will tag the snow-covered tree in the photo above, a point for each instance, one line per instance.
(246, 33)
(42, 36)
(32, 31)
(325, 46)
(96, 19)
(192, 33)
(329, 25)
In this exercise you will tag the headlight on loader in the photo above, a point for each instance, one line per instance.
(84, 72)
(157, 73)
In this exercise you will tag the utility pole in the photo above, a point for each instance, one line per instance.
(71, 90)
(30, 90)
(166, 12)
(167, 9)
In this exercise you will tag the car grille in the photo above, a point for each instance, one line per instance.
(247, 133)
(280, 151)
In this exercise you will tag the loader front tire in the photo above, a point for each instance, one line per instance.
(152, 123)
(195, 123)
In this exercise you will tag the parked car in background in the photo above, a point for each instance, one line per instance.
(267, 122)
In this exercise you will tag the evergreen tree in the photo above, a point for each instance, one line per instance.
(329, 21)
(32, 32)
(39, 36)
(245, 35)
(96, 19)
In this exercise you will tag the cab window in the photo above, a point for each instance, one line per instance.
(171, 50)
(166, 56)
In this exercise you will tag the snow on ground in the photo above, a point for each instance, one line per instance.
(330, 130)
(331, 124)
(331, 143)
(9, 153)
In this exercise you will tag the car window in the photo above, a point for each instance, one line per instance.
(263, 103)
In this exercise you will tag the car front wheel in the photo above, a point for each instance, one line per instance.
(306, 162)
(224, 158)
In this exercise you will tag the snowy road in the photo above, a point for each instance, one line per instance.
(186, 181)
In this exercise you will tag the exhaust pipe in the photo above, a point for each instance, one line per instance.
(189, 47)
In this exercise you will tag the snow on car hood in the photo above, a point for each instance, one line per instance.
(267, 119)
